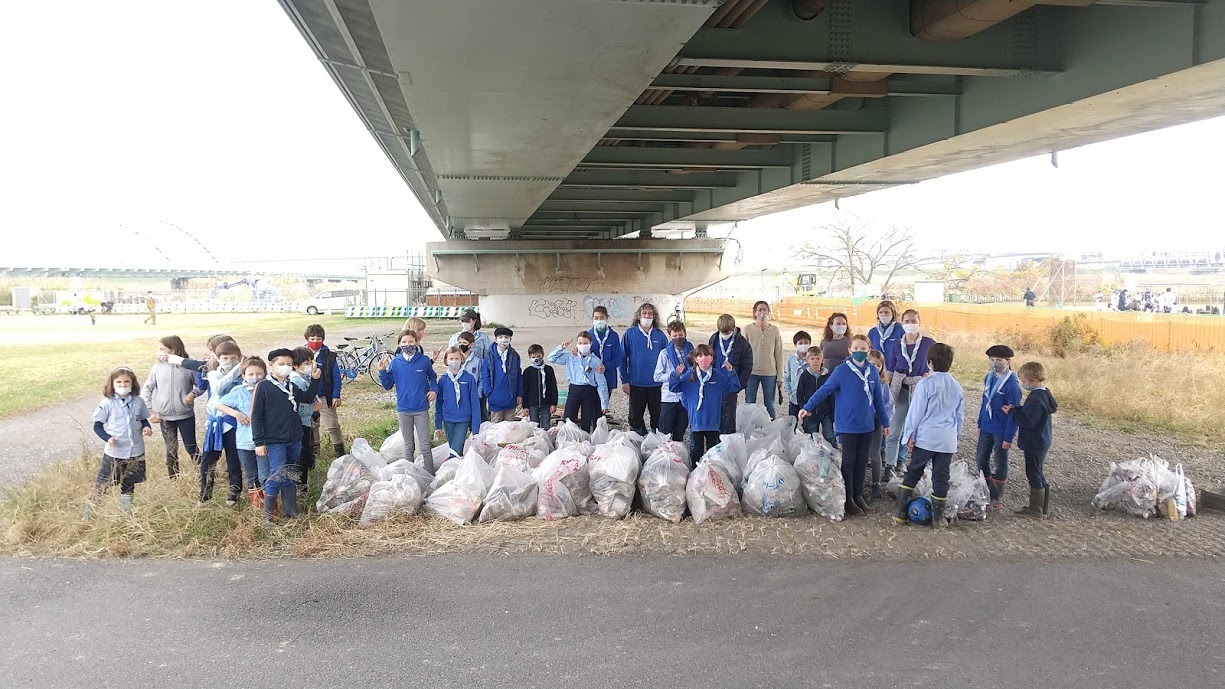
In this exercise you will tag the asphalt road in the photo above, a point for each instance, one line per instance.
(624, 622)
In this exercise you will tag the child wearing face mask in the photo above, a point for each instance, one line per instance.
(171, 391)
(859, 405)
(796, 363)
(539, 388)
(703, 387)
(412, 375)
(236, 404)
(606, 344)
(996, 428)
(729, 345)
(588, 394)
(932, 428)
(673, 419)
(876, 448)
(1036, 434)
(470, 323)
(329, 391)
(276, 430)
(766, 342)
(475, 365)
(304, 368)
(887, 328)
(222, 376)
(812, 378)
(122, 422)
(502, 377)
(457, 408)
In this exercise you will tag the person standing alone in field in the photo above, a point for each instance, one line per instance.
(151, 305)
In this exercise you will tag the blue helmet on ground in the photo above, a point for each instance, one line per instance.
(920, 510)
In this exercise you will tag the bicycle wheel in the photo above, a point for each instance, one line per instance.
(348, 367)
(372, 367)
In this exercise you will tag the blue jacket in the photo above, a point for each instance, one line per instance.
(852, 412)
(892, 334)
(721, 384)
(895, 356)
(991, 418)
(742, 355)
(413, 380)
(609, 352)
(640, 356)
(467, 407)
(1034, 420)
(329, 383)
(502, 386)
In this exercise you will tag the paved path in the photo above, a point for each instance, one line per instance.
(634, 622)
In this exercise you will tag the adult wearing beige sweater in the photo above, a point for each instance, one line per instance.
(767, 344)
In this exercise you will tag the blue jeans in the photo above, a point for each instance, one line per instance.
(674, 420)
(457, 432)
(940, 462)
(823, 425)
(541, 416)
(254, 468)
(1033, 469)
(989, 444)
(282, 466)
(895, 450)
(769, 388)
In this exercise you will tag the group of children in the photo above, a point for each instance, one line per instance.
(878, 396)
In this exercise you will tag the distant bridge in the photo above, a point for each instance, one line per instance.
(167, 273)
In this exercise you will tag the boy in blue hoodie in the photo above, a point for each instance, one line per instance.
(730, 346)
(411, 373)
(502, 379)
(702, 388)
(996, 429)
(796, 363)
(933, 425)
(457, 408)
(859, 403)
(1034, 420)
(606, 344)
(641, 347)
(673, 419)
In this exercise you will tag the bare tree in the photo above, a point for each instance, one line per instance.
(956, 270)
(854, 250)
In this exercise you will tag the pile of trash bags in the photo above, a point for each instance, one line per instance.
(1145, 487)
(967, 499)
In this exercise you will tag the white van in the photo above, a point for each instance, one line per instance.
(333, 300)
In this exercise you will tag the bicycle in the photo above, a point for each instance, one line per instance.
(362, 360)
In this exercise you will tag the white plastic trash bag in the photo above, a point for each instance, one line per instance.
(365, 454)
(737, 451)
(347, 480)
(819, 467)
(721, 456)
(460, 498)
(403, 467)
(445, 473)
(782, 428)
(512, 496)
(774, 449)
(401, 494)
(968, 496)
(711, 494)
(568, 433)
(772, 489)
(653, 440)
(662, 484)
(564, 485)
(600, 435)
(540, 442)
(506, 432)
(614, 469)
(392, 448)
(750, 417)
(519, 457)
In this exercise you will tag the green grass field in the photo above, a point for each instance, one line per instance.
(49, 359)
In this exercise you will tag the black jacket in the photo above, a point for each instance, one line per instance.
(1034, 421)
(274, 418)
(742, 356)
(533, 394)
(809, 384)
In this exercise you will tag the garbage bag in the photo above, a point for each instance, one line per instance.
(710, 494)
(819, 466)
(773, 490)
(653, 440)
(365, 454)
(565, 489)
(403, 467)
(599, 436)
(347, 480)
(487, 450)
(520, 457)
(968, 496)
(721, 456)
(796, 444)
(400, 494)
(507, 432)
(774, 449)
(750, 417)
(613, 469)
(445, 473)
(662, 484)
(392, 448)
(460, 498)
(540, 442)
(1139, 486)
(512, 495)
(737, 450)
(568, 433)
(783, 428)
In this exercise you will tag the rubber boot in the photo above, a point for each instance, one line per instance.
(125, 503)
(904, 495)
(255, 496)
(289, 499)
(1046, 501)
(339, 449)
(269, 509)
(862, 503)
(999, 491)
(877, 492)
(89, 511)
(853, 510)
(939, 521)
(1034, 510)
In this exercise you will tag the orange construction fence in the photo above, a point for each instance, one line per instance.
(1165, 332)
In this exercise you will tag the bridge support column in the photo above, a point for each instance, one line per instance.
(523, 282)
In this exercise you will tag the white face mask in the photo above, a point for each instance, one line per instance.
(801, 349)
(910, 328)
(454, 365)
(251, 381)
(838, 329)
(123, 390)
(600, 324)
(284, 370)
(886, 319)
(467, 326)
(584, 349)
(504, 341)
(305, 370)
(226, 366)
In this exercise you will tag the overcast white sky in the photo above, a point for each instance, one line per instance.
(217, 117)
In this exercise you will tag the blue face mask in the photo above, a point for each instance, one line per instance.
(408, 350)
(859, 357)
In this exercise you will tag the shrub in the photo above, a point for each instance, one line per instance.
(1073, 334)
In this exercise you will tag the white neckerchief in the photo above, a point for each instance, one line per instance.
(867, 389)
(455, 382)
(542, 383)
(595, 334)
(727, 351)
(287, 390)
(989, 392)
(647, 332)
(585, 362)
(674, 356)
(504, 356)
(702, 380)
(913, 353)
(125, 409)
(884, 332)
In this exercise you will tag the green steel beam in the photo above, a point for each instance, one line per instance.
(871, 119)
(597, 208)
(681, 157)
(612, 196)
(712, 137)
(564, 219)
(755, 84)
(649, 179)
